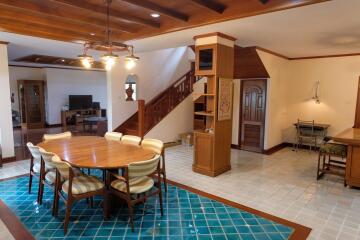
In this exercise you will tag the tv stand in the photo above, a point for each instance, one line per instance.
(78, 115)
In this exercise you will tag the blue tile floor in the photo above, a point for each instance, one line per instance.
(186, 216)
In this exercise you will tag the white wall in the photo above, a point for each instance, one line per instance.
(276, 105)
(180, 120)
(6, 128)
(22, 73)
(64, 82)
(338, 78)
(155, 70)
(292, 85)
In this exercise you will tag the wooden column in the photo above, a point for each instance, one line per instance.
(215, 59)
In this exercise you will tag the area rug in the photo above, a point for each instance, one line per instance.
(188, 214)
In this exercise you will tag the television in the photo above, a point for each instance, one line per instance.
(206, 59)
(80, 102)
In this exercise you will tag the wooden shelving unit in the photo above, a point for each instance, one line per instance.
(212, 145)
(204, 113)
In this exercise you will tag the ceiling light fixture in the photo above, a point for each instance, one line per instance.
(155, 15)
(109, 47)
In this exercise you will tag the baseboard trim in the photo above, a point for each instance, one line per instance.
(276, 148)
(9, 159)
(235, 146)
(53, 125)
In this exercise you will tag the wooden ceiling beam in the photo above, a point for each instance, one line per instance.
(25, 27)
(159, 9)
(211, 4)
(58, 10)
(8, 13)
(94, 8)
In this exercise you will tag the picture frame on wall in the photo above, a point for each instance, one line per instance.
(225, 99)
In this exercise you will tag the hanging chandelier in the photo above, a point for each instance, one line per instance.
(109, 47)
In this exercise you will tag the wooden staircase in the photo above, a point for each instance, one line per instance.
(151, 113)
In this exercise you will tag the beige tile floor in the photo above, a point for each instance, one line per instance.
(4, 232)
(282, 184)
(14, 169)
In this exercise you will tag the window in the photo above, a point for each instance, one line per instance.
(130, 88)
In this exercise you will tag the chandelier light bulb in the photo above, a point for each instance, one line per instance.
(130, 64)
(86, 63)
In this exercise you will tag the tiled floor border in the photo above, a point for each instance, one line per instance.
(17, 229)
(300, 232)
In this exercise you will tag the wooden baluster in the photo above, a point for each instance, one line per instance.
(141, 118)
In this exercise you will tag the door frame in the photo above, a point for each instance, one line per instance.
(241, 111)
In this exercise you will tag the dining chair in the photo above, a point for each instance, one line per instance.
(305, 133)
(75, 187)
(116, 136)
(36, 170)
(46, 177)
(54, 136)
(137, 181)
(329, 150)
(131, 139)
(157, 146)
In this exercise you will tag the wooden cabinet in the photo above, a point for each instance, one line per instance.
(351, 137)
(352, 175)
(77, 116)
(215, 60)
(32, 103)
(203, 159)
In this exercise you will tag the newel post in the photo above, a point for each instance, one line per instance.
(141, 118)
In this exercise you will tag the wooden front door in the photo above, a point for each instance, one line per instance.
(253, 102)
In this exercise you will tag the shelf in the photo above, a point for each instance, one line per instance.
(203, 113)
(208, 95)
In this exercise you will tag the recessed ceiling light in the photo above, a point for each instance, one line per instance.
(155, 15)
(92, 34)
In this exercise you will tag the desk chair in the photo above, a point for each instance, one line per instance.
(328, 165)
(305, 133)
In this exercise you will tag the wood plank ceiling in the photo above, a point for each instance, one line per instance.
(84, 20)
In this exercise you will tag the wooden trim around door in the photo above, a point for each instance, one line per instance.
(240, 110)
(300, 232)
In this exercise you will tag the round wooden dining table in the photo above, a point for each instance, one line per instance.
(96, 152)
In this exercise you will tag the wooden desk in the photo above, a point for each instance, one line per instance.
(352, 138)
(318, 127)
(96, 152)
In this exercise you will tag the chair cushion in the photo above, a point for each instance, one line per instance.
(334, 149)
(50, 177)
(137, 185)
(37, 166)
(83, 184)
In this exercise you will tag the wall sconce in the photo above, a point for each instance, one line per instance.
(316, 97)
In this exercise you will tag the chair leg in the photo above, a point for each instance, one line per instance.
(106, 204)
(161, 203)
(56, 204)
(318, 167)
(164, 180)
(131, 214)
(41, 189)
(92, 202)
(67, 214)
(30, 182)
